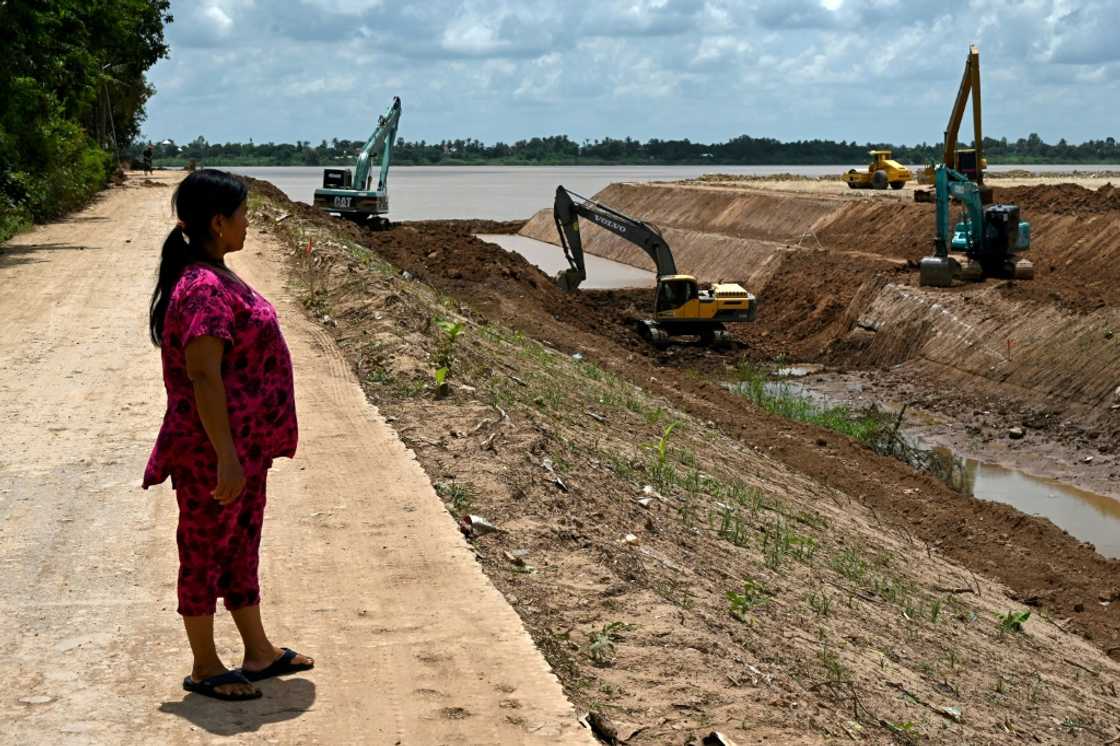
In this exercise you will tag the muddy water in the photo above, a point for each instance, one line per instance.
(1085, 515)
(516, 192)
(601, 273)
(498, 192)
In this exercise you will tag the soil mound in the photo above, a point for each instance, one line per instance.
(1061, 199)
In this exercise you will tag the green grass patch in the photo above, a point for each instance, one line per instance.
(868, 426)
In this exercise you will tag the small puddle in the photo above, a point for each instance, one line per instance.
(1085, 515)
(602, 274)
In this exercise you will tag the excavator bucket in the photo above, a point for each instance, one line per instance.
(568, 280)
(937, 271)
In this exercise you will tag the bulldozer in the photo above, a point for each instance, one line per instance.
(881, 173)
(350, 194)
(681, 307)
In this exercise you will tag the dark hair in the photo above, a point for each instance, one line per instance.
(197, 199)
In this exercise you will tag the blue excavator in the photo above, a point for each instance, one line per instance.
(350, 195)
(986, 240)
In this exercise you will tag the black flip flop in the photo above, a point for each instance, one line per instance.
(279, 667)
(209, 687)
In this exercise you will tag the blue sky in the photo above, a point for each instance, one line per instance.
(864, 70)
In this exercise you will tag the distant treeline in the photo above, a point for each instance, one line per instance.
(561, 150)
(72, 94)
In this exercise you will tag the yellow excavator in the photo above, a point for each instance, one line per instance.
(967, 161)
(681, 308)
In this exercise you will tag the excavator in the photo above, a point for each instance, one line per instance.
(349, 194)
(988, 237)
(681, 307)
(967, 161)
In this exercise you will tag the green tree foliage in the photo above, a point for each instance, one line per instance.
(73, 90)
(559, 149)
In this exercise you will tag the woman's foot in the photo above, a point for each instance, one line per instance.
(281, 661)
(238, 689)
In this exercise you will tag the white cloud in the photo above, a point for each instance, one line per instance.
(221, 22)
(702, 69)
(471, 36)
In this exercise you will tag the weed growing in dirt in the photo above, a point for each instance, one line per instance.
(602, 649)
(1013, 621)
(779, 542)
(892, 589)
(590, 370)
(445, 352)
(820, 602)
(440, 378)
(380, 376)
(907, 732)
(661, 472)
(675, 594)
(551, 399)
(687, 458)
(692, 483)
(754, 594)
(935, 610)
(459, 496)
(749, 497)
(836, 673)
(732, 527)
(621, 467)
(850, 565)
(661, 447)
(686, 511)
(500, 396)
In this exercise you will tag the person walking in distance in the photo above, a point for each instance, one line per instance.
(230, 412)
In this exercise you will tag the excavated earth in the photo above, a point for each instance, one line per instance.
(837, 284)
(576, 553)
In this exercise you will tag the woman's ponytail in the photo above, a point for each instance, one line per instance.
(198, 198)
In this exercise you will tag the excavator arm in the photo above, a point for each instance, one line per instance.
(970, 84)
(567, 211)
(382, 139)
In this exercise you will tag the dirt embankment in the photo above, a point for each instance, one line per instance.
(837, 282)
(856, 617)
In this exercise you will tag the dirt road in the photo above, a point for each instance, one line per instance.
(361, 566)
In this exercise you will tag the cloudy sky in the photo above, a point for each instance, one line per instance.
(878, 70)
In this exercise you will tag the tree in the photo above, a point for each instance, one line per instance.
(73, 88)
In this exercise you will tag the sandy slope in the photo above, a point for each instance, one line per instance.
(360, 568)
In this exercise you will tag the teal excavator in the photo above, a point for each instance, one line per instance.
(350, 194)
(989, 237)
(986, 240)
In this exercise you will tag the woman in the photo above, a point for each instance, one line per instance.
(230, 411)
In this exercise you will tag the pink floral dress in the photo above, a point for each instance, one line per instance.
(256, 371)
(219, 545)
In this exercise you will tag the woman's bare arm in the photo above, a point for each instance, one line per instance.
(204, 368)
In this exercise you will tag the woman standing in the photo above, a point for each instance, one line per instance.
(230, 412)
